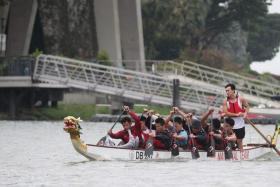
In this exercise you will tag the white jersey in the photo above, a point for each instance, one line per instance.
(238, 122)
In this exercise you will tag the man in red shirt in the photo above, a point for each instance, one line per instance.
(237, 108)
(130, 133)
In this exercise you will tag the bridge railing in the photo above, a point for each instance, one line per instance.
(118, 81)
(216, 77)
(16, 66)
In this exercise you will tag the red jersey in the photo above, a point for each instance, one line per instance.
(235, 107)
(135, 130)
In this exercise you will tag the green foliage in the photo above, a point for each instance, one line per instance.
(263, 44)
(37, 52)
(103, 109)
(103, 58)
(3, 68)
(85, 111)
(169, 25)
(186, 28)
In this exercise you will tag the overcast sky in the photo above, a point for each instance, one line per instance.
(272, 66)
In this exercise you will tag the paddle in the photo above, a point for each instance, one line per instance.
(228, 150)
(103, 139)
(211, 149)
(149, 148)
(194, 151)
(174, 147)
(262, 135)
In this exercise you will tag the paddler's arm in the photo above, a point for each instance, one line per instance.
(180, 137)
(201, 137)
(205, 116)
(134, 117)
(168, 118)
(218, 136)
(117, 135)
(132, 114)
(245, 105)
(231, 138)
(178, 111)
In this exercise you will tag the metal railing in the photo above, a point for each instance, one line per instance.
(16, 66)
(126, 83)
(216, 77)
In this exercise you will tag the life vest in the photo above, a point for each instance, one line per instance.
(235, 107)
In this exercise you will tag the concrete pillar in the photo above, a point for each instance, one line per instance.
(4, 10)
(116, 104)
(21, 20)
(107, 28)
(120, 32)
(131, 30)
(12, 104)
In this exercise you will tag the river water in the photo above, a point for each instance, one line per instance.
(41, 154)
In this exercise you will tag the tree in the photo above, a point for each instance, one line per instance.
(174, 26)
(263, 43)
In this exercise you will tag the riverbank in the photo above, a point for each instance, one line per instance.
(87, 112)
(92, 112)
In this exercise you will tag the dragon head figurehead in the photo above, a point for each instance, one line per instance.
(71, 125)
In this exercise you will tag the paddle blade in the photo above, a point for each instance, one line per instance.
(174, 150)
(101, 142)
(228, 153)
(211, 151)
(195, 153)
(149, 149)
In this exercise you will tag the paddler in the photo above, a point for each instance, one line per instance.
(237, 108)
(228, 134)
(130, 133)
(161, 137)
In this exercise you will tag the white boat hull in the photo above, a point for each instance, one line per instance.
(94, 152)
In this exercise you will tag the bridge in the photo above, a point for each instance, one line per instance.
(254, 90)
(121, 82)
(199, 88)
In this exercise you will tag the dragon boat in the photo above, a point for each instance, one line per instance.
(97, 152)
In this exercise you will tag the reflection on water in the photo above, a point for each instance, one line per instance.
(41, 154)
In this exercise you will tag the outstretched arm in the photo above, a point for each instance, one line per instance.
(169, 117)
(117, 135)
(205, 116)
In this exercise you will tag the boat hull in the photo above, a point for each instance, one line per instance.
(95, 152)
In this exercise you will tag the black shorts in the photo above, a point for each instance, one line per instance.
(240, 133)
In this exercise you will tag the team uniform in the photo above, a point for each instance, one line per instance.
(131, 138)
(239, 123)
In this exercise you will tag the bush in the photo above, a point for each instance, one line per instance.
(103, 58)
(85, 111)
